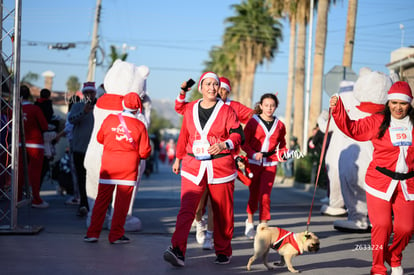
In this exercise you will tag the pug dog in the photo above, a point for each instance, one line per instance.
(288, 245)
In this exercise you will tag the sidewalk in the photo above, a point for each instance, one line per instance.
(59, 247)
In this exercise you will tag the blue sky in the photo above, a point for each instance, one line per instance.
(173, 38)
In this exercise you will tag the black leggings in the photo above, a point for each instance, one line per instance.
(78, 159)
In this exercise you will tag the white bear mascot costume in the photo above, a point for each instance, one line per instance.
(121, 78)
(368, 96)
(337, 143)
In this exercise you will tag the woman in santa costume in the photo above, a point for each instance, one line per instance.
(265, 147)
(389, 182)
(210, 130)
(126, 142)
(243, 115)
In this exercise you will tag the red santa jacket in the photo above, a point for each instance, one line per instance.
(259, 139)
(221, 168)
(120, 157)
(385, 154)
(34, 125)
(243, 113)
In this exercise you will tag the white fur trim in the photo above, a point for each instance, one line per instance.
(116, 182)
(399, 96)
(128, 109)
(225, 86)
(179, 99)
(385, 196)
(33, 145)
(223, 180)
(208, 75)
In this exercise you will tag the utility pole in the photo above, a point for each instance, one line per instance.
(94, 43)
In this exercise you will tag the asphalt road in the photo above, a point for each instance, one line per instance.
(59, 248)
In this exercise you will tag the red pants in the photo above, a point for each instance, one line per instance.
(380, 214)
(122, 200)
(221, 196)
(34, 169)
(260, 190)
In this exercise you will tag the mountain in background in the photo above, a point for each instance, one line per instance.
(165, 109)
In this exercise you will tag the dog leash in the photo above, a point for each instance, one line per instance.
(325, 138)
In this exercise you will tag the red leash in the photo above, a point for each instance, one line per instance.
(319, 168)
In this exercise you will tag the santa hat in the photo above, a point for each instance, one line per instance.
(207, 75)
(131, 102)
(400, 90)
(225, 83)
(89, 87)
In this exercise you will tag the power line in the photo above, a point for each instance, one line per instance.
(152, 68)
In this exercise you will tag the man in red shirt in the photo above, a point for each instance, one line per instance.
(34, 123)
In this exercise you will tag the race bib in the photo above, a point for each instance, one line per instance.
(200, 148)
(400, 136)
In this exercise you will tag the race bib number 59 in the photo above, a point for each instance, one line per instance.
(400, 136)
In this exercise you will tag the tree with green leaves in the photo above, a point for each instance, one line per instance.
(158, 122)
(298, 13)
(114, 55)
(318, 62)
(254, 36)
(288, 9)
(29, 77)
(72, 84)
(222, 62)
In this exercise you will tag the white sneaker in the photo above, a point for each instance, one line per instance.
(398, 270)
(249, 230)
(201, 231)
(331, 211)
(208, 243)
(358, 226)
(44, 204)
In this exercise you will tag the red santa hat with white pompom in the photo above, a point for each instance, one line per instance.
(400, 90)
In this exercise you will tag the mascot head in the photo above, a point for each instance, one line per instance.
(124, 77)
(372, 86)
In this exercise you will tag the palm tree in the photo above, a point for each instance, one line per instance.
(114, 55)
(288, 8)
(298, 116)
(256, 34)
(222, 63)
(318, 62)
(30, 76)
(350, 33)
(72, 84)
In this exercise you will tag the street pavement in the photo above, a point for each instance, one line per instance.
(59, 247)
